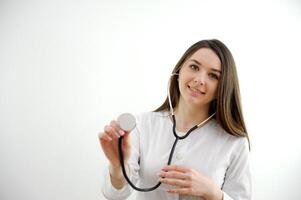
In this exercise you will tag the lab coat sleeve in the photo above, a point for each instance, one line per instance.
(238, 183)
(111, 193)
(132, 169)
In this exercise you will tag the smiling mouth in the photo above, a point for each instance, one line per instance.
(196, 91)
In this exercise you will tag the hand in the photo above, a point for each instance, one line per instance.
(109, 143)
(188, 181)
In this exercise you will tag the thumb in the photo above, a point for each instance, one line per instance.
(126, 139)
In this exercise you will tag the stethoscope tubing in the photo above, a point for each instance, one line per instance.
(177, 138)
(121, 157)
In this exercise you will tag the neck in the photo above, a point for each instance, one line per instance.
(187, 117)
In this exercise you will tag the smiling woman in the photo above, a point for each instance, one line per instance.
(198, 80)
(68, 67)
(211, 159)
(218, 61)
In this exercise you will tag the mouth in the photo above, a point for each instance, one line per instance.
(196, 91)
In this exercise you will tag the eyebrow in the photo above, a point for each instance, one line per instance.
(213, 69)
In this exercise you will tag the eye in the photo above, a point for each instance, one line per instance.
(194, 67)
(213, 76)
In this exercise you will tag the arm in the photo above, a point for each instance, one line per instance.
(114, 185)
(238, 183)
(116, 177)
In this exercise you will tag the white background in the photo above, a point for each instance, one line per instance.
(68, 67)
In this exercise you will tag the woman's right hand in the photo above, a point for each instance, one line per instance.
(109, 143)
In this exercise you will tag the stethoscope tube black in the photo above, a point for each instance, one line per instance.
(121, 160)
(121, 157)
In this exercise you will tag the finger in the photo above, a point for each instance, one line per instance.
(105, 137)
(175, 168)
(118, 131)
(183, 191)
(109, 130)
(173, 174)
(174, 182)
(126, 141)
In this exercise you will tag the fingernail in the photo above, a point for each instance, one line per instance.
(121, 132)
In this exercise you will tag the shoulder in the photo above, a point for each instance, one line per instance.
(233, 142)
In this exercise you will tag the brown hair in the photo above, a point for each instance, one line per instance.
(227, 104)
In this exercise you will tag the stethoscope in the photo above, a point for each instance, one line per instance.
(127, 122)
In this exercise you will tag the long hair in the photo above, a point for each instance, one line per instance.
(227, 104)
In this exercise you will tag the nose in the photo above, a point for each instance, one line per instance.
(199, 81)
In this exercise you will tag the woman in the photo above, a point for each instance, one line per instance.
(212, 162)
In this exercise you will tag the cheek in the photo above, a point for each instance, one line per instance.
(181, 83)
(214, 89)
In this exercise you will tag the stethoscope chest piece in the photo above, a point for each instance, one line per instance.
(126, 121)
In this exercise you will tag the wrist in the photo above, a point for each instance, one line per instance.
(219, 195)
(116, 177)
(216, 195)
(115, 171)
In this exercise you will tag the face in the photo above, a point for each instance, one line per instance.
(199, 77)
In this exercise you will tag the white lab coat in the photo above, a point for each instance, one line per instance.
(209, 150)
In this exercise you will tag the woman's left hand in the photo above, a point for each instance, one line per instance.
(188, 181)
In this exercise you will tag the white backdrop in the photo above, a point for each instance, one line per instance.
(68, 67)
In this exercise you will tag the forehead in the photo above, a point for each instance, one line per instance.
(206, 57)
